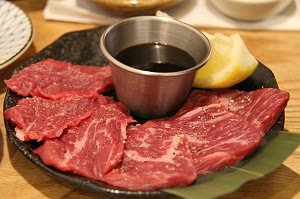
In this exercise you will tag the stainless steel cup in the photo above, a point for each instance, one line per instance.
(153, 94)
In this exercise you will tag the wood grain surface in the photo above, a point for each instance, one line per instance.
(278, 50)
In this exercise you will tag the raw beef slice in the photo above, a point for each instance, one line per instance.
(56, 79)
(217, 137)
(39, 119)
(154, 158)
(93, 147)
(264, 105)
(202, 98)
(261, 108)
(223, 127)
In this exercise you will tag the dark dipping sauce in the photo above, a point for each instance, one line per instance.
(156, 57)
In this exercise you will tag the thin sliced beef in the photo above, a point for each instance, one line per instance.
(203, 98)
(56, 79)
(217, 137)
(39, 119)
(154, 158)
(225, 126)
(211, 131)
(261, 108)
(263, 105)
(93, 147)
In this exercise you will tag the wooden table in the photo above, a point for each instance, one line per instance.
(279, 50)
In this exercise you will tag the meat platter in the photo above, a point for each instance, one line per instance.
(83, 48)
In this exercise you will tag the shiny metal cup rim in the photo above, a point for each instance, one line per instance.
(150, 73)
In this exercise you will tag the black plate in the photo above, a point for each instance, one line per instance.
(82, 47)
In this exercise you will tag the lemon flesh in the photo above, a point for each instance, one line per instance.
(230, 63)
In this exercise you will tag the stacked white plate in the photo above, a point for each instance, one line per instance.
(16, 33)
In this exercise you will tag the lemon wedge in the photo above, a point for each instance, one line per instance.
(230, 63)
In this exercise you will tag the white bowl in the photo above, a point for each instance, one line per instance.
(250, 9)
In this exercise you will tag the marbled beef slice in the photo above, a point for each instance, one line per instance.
(224, 127)
(39, 119)
(93, 147)
(155, 157)
(56, 79)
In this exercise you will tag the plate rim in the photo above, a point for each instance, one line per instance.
(26, 45)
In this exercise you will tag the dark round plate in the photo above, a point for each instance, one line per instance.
(82, 47)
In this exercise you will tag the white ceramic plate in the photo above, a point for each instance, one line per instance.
(16, 33)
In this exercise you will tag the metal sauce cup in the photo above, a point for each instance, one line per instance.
(153, 94)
